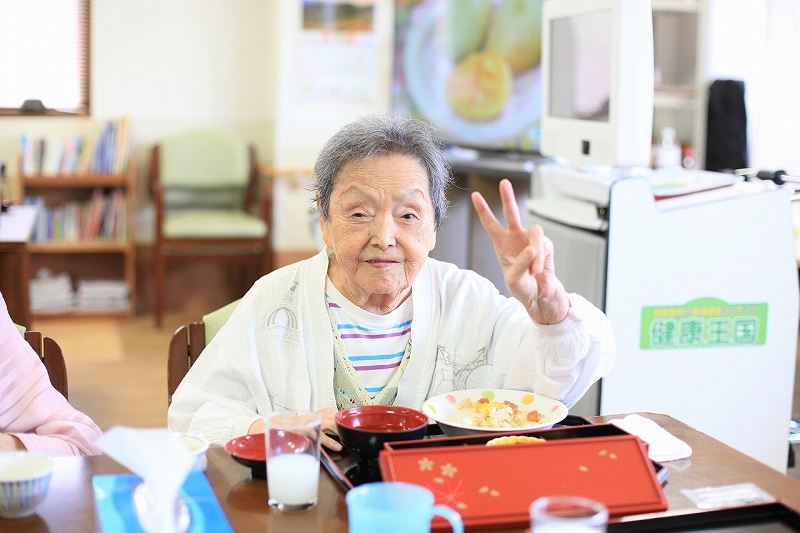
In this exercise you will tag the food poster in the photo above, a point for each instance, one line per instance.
(338, 51)
(472, 68)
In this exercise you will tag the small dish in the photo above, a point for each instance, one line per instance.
(24, 481)
(445, 411)
(251, 451)
(198, 445)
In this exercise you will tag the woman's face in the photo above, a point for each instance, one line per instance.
(381, 228)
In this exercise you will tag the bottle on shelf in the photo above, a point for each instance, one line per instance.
(668, 153)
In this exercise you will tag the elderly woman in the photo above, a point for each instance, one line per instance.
(373, 319)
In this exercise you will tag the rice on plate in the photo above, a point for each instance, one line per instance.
(472, 411)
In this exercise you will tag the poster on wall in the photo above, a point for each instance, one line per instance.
(472, 69)
(338, 51)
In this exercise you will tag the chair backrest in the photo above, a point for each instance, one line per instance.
(205, 169)
(214, 320)
(52, 357)
(188, 342)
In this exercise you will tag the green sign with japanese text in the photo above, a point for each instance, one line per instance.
(703, 323)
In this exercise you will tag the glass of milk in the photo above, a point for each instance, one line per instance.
(292, 441)
(573, 514)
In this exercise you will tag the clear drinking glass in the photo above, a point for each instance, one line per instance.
(292, 441)
(574, 514)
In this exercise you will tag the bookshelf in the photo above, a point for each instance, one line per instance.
(99, 208)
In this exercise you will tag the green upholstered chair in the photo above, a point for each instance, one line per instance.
(188, 342)
(209, 205)
(52, 358)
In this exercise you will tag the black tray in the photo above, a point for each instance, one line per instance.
(346, 470)
(764, 518)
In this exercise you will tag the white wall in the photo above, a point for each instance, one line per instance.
(757, 41)
(303, 124)
(180, 64)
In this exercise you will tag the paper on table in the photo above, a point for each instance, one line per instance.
(159, 457)
(663, 445)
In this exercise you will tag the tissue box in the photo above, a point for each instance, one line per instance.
(114, 501)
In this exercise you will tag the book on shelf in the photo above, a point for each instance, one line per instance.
(100, 217)
(105, 152)
(54, 293)
(27, 147)
(51, 293)
(102, 295)
(122, 146)
(51, 160)
(85, 156)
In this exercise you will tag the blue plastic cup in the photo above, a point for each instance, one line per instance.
(395, 507)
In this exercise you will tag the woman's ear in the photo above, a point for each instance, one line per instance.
(324, 228)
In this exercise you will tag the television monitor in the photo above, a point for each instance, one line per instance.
(472, 69)
(597, 82)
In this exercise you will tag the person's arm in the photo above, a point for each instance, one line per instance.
(574, 341)
(329, 427)
(31, 410)
(526, 257)
(214, 399)
(256, 364)
(568, 357)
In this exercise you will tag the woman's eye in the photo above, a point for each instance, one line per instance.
(409, 216)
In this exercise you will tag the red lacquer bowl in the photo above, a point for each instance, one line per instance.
(363, 430)
(251, 450)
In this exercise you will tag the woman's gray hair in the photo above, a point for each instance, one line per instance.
(384, 135)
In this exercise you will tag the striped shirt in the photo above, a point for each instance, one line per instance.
(375, 343)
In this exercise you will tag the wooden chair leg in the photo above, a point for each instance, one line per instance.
(160, 283)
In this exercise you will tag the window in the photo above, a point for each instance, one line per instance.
(44, 53)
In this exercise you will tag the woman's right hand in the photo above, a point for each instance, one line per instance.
(328, 428)
(10, 443)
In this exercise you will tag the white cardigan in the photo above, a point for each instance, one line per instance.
(276, 350)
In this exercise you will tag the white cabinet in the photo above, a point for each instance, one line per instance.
(681, 85)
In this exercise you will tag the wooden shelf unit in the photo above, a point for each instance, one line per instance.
(87, 258)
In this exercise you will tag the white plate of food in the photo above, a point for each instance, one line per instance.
(471, 411)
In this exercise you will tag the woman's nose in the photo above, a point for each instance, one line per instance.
(383, 231)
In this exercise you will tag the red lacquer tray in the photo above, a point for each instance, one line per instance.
(495, 485)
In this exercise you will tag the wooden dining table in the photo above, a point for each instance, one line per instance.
(70, 505)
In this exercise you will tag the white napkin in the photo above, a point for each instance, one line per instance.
(663, 445)
(160, 458)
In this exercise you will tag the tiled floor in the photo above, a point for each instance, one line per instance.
(119, 377)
